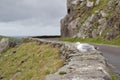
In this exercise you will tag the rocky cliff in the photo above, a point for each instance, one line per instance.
(91, 19)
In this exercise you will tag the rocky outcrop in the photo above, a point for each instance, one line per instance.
(4, 44)
(78, 65)
(91, 19)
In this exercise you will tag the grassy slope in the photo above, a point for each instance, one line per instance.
(93, 40)
(30, 62)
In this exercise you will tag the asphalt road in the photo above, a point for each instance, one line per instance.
(112, 54)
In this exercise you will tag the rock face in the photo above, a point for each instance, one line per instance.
(78, 65)
(92, 18)
(4, 44)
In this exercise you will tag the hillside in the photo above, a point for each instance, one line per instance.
(43, 59)
(17, 40)
(92, 19)
(29, 61)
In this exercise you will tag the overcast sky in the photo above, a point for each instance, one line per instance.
(31, 17)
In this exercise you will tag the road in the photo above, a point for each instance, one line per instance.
(112, 54)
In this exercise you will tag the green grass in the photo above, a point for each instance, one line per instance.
(93, 40)
(114, 77)
(101, 5)
(62, 73)
(31, 60)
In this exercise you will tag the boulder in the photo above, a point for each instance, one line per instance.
(4, 44)
(89, 3)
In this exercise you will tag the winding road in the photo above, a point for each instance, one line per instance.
(112, 54)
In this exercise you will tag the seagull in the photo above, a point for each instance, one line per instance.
(84, 47)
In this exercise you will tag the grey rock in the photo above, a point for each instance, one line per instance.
(84, 18)
(4, 44)
(89, 3)
(103, 13)
(97, 2)
(1, 77)
(94, 33)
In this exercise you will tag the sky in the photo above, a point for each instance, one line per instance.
(31, 17)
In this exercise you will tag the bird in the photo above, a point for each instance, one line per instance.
(84, 47)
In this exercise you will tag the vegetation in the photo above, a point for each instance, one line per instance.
(17, 40)
(1, 37)
(93, 40)
(29, 61)
(114, 77)
(62, 73)
(101, 5)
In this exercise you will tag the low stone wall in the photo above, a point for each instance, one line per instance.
(78, 66)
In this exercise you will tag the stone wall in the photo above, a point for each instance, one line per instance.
(78, 65)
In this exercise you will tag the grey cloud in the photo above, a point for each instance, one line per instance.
(21, 29)
(31, 17)
(25, 9)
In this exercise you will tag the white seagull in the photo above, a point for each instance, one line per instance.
(84, 47)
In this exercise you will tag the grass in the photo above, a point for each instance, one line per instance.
(101, 5)
(93, 40)
(62, 73)
(31, 60)
(114, 77)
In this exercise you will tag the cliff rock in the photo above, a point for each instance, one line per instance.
(4, 44)
(91, 19)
